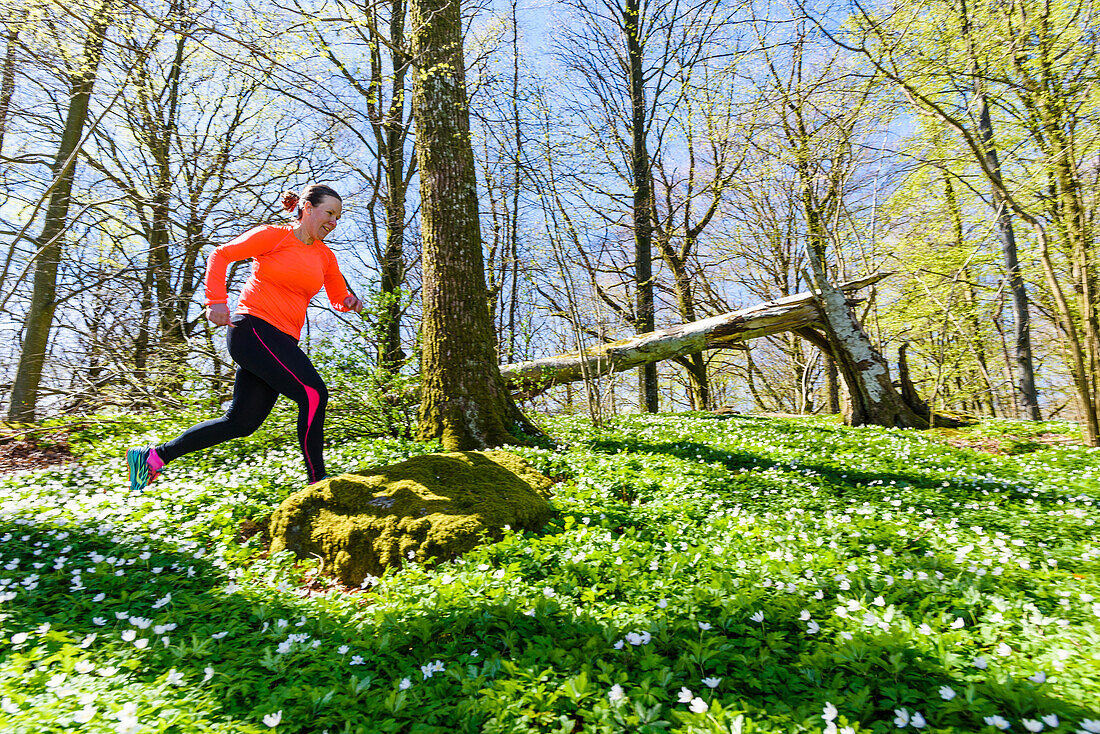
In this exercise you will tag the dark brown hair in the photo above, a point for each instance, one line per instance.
(314, 194)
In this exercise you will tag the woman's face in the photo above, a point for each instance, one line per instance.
(317, 221)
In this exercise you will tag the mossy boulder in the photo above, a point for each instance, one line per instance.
(436, 506)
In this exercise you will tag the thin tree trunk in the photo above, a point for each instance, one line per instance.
(394, 130)
(1021, 327)
(643, 201)
(1024, 367)
(7, 77)
(971, 298)
(693, 364)
(1077, 357)
(698, 382)
(512, 250)
(171, 345)
(464, 401)
(1069, 214)
(832, 385)
(36, 329)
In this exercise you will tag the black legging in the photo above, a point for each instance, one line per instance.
(270, 364)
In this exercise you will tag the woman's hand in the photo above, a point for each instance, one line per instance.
(218, 313)
(352, 303)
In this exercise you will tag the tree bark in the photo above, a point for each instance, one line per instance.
(36, 329)
(394, 130)
(158, 109)
(832, 385)
(1021, 319)
(640, 166)
(465, 402)
(872, 399)
(7, 76)
(785, 314)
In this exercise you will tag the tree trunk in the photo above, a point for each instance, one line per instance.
(7, 76)
(394, 131)
(785, 314)
(1021, 318)
(640, 166)
(1077, 356)
(1021, 327)
(971, 299)
(464, 400)
(160, 127)
(694, 364)
(698, 382)
(832, 385)
(1069, 215)
(872, 397)
(908, 389)
(36, 329)
(518, 176)
(1051, 125)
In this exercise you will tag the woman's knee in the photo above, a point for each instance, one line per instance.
(316, 398)
(242, 425)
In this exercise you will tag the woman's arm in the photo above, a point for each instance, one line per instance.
(254, 242)
(336, 287)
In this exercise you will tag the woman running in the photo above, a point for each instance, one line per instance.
(290, 264)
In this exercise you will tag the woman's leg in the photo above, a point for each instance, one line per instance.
(253, 400)
(277, 359)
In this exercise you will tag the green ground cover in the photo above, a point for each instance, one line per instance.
(702, 574)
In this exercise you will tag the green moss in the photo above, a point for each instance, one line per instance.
(436, 506)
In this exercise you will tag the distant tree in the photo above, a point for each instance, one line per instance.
(7, 73)
(951, 296)
(632, 57)
(81, 76)
(504, 100)
(1045, 82)
(368, 49)
(688, 197)
(1026, 390)
(820, 111)
(759, 247)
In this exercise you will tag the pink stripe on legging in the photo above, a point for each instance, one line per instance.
(313, 399)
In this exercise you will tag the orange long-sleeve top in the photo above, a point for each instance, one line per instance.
(286, 275)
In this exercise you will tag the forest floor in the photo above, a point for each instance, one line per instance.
(22, 449)
(33, 449)
(702, 573)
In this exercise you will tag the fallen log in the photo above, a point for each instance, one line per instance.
(785, 314)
